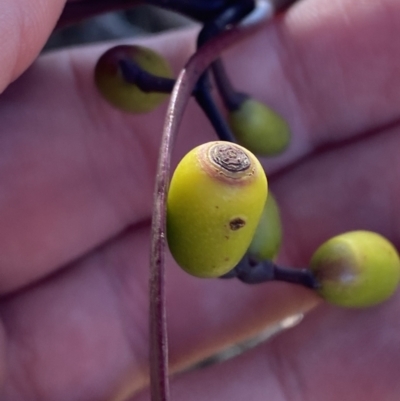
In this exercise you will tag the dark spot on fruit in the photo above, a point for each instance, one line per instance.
(236, 223)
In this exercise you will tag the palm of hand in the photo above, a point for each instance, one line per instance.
(77, 181)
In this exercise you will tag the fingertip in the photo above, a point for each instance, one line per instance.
(26, 26)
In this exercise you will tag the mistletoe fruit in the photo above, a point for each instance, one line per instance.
(356, 269)
(123, 94)
(259, 129)
(267, 240)
(215, 201)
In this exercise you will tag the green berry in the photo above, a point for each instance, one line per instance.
(259, 129)
(215, 200)
(267, 240)
(356, 269)
(121, 94)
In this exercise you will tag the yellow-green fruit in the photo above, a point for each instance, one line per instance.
(259, 129)
(356, 269)
(124, 95)
(268, 237)
(215, 200)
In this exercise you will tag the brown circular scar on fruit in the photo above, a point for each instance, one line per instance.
(229, 157)
(227, 162)
(237, 223)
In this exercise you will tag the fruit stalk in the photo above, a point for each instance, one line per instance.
(251, 272)
(145, 81)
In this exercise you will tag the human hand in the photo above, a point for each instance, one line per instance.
(77, 180)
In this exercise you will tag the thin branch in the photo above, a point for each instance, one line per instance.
(145, 81)
(182, 91)
(231, 98)
(206, 102)
(251, 272)
(231, 16)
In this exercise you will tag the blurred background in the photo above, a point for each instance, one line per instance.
(140, 20)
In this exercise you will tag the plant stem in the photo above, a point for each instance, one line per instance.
(255, 273)
(303, 276)
(232, 99)
(230, 16)
(182, 91)
(145, 81)
(208, 105)
(148, 82)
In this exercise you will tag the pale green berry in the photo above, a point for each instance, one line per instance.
(356, 269)
(259, 129)
(124, 95)
(268, 237)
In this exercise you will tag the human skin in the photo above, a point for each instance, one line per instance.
(77, 177)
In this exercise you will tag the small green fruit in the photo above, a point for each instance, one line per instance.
(215, 200)
(259, 129)
(267, 240)
(356, 269)
(121, 94)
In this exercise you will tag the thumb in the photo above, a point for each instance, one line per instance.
(25, 26)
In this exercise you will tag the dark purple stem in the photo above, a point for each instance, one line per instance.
(251, 272)
(145, 81)
(206, 102)
(229, 17)
(232, 99)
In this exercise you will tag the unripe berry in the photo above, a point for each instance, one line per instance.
(356, 269)
(215, 200)
(267, 239)
(259, 129)
(122, 94)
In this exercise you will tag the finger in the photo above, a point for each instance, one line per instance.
(83, 334)
(25, 27)
(332, 354)
(347, 188)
